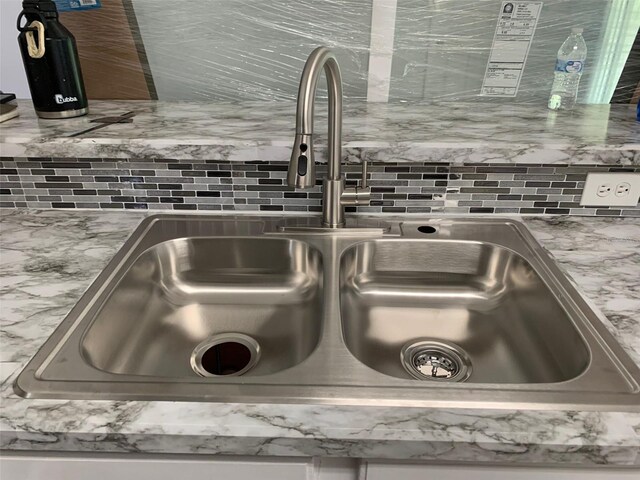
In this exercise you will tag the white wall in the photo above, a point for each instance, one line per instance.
(12, 76)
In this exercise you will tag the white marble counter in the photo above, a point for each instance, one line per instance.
(472, 132)
(50, 257)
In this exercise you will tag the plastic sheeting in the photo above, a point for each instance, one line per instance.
(220, 50)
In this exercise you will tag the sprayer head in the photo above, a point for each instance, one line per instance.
(302, 167)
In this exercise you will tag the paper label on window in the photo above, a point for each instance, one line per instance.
(511, 42)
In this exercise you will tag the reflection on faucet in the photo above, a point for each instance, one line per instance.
(302, 171)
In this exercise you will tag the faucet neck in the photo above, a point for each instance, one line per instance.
(322, 58)
(301, 172)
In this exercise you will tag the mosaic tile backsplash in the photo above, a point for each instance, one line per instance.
(397, 188)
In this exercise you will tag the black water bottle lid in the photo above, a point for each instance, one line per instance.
(47, 8)
(41, 5)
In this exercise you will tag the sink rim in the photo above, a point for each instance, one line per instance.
(31, 385)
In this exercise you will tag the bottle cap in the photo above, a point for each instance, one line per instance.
(577, 30)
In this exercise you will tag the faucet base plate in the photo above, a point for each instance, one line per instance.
(352, 226)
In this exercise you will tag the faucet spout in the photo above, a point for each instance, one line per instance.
(301, 172)
(302, 165)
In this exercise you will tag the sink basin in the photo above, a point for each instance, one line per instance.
(484, 298)
(446, 312)
(182, 292)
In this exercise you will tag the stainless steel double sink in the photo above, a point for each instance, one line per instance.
(446, 312)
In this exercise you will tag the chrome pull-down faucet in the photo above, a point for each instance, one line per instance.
(302, 169)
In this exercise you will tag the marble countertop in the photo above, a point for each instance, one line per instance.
(50, 257)
(457, 133)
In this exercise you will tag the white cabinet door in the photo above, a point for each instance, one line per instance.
(395, 471)
(22, 467)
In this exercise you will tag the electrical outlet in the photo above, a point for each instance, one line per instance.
(623, 189)
(604, 189)
(611, 190)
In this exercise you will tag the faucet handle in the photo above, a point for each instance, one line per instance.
(364, 184)
(359, 195)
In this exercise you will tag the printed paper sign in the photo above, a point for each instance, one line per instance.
(74, 5)
(511, 42)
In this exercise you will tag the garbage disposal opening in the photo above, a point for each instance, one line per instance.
(229, 354)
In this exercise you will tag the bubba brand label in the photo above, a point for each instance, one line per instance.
(60, 99)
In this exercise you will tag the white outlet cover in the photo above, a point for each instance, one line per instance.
(590, 197)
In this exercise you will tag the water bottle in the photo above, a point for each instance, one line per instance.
(569, 67)
(51, 62)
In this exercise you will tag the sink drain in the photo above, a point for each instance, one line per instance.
(436, 360)
(227, 354)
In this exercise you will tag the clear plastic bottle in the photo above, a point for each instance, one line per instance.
(569, 67)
